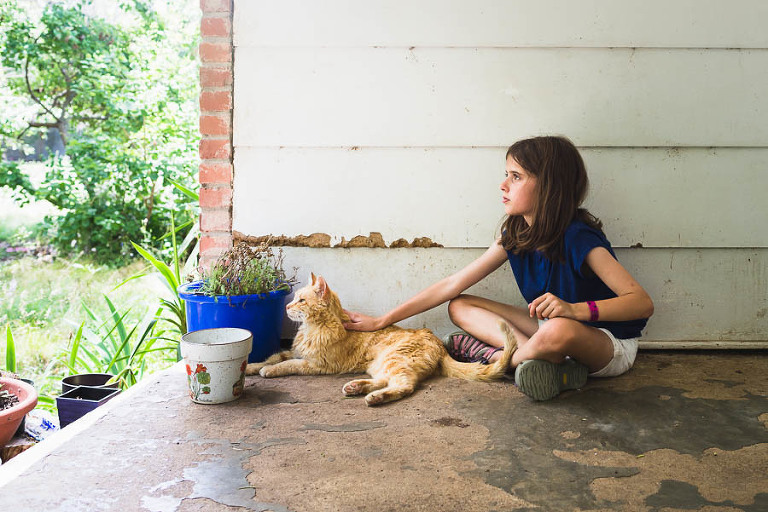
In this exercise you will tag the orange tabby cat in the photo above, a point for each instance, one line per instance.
(397, 359)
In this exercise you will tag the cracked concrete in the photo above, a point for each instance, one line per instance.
(681, 431)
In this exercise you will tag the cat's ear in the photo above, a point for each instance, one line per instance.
(320, 286)
(311, 279)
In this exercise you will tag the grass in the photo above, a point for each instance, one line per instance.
(44, 297)
(44, 303)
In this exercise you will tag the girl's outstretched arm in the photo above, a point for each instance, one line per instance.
(632, 301)
(436, 294)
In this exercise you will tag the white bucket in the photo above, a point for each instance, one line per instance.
(215, 361)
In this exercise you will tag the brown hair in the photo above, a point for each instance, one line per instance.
(561, 187)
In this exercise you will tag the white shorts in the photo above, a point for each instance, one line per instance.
(624, 353)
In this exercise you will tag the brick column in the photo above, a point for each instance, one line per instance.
(216, 89)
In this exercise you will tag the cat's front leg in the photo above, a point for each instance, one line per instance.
(254, 368)
(291, 367)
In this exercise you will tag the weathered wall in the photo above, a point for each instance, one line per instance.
(393, 117)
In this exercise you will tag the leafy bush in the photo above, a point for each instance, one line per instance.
(130, 133)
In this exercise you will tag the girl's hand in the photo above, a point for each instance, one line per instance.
(551, 306)
(360, 322)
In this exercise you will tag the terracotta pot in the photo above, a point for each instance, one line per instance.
(11, 418)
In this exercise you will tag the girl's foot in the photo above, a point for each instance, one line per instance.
(463, 347)
(542, 380)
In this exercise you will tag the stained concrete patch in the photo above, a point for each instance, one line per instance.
(684, 496)
(722, 478)
(447, 421)
(224, 465)
(711, 374)
(347, 427)
(527, 453)
(409, 463)
(678, 432)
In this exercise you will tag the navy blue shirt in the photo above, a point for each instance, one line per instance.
(571, 280)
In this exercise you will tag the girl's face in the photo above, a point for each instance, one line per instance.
(518, 191)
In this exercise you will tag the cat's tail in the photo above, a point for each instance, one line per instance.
(478, 371)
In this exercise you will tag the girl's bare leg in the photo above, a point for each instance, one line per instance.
(556, 339)
(561, 337)
(480, 317)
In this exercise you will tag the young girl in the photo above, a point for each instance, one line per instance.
(585, 311)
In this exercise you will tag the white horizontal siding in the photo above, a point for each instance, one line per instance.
(703, 295)
(690, 197)
(393, 116)
(484, 23)
(452, 97)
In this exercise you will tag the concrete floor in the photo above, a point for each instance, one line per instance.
(682, 431)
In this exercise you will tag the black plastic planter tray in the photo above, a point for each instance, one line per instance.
(77, 402)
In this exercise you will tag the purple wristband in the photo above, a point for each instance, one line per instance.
(594, 313)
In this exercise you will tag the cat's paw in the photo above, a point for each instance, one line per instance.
(352, 388)
(253, 368)
(374, 399)
(267, 372)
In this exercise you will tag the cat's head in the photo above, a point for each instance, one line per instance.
(314, 300)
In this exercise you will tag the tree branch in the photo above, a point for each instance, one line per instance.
(38, 124)
(29, 89)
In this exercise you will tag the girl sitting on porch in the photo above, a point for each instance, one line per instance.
(585, 311)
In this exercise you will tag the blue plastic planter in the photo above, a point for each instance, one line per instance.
(262, 314)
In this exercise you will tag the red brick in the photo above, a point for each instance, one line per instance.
(215, 197)
(212, 246)
(215, 125)
(215, 220)
(206, 261)
(215, 77)
(215, 149)
(215, 101)
(211, 173)
(215, 27)
(215, 52)
(216, 5)
(215, 243)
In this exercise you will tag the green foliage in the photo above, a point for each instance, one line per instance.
(171, 279)
(44, 308)
(246, 271)
(108, 345)
(10, 350)
(130, 132)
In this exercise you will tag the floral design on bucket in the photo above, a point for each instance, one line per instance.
(198, 382)
(237, 387)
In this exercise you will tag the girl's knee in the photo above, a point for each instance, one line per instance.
(457, 305)
(556, 335)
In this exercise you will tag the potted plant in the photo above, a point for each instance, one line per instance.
(17, 398)
(11, 368)
(245, 288)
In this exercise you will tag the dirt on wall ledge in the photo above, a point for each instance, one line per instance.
(320, 240)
